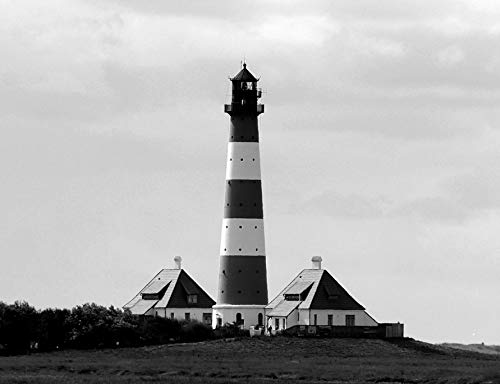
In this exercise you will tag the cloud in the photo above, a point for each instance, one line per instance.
(450, 56)
(334, 204)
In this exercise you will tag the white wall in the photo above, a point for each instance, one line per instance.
(228, 313)
(249, 238)
(246, 169)
(361, 317)
(291, 320)
(179, 313)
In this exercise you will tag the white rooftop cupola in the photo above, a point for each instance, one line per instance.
(316, 262)
(178, 261)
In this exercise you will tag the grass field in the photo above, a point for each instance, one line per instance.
(259, 360)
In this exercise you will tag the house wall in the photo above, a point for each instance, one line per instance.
(228, 313)
(291, 320)
(180, 313)
(361, 317)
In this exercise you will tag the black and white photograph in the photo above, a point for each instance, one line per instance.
(218, 192)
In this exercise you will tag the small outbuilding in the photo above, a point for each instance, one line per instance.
(173, 294)
(314, 297)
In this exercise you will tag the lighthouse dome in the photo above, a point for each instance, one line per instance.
(244, 75)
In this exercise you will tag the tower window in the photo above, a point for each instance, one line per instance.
(230, 159)
(239, 291)
(240, 249)
(256, 271)
(239, 270)
(241, 159)
(241, 227)
(255, 227)
(256, 249)
(253, 159)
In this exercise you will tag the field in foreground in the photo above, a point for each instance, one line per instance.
(280, 360)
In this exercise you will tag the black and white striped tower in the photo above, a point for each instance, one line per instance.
(242, 292)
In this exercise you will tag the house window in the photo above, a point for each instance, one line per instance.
(187, 316)
(171, 315)
(207, 318)
(276, 324)
(330, 319)
(315, 319)
(260, 319)
(350, 320)
(193, 299)
(239, 319)
(284, 327)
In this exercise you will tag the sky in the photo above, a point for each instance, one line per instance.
(380, 147)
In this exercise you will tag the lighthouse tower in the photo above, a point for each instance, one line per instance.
(242, 291)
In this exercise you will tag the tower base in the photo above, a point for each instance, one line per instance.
(243, 315)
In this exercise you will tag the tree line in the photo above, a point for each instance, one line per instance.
(24, 329)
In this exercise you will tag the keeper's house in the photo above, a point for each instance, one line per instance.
(172, 293)
(315, 298)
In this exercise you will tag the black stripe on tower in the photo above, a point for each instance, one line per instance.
(243, 280)
(244, 129)
(243, 199)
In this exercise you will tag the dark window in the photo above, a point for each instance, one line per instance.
(193, 299)
(315, 319)
(330, 319)
(276, 324)
(207, 318)
(172, 315)
(260, 319)
(187, 316)
(239, 319)
(284, 327)
(350, 320)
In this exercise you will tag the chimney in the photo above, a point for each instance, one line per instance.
(316, 262)
(178, 261)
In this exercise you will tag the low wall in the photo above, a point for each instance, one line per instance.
(381, 331)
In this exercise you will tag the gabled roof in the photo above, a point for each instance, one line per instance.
(298, 288)
(178, 285)
(244, 75)
(156, 286)
(284, 308)
(325, 292)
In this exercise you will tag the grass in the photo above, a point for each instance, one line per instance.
(259, 360)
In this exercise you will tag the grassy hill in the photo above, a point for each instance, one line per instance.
(480, 348)
(260, 360)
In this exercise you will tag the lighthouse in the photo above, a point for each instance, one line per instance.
(242, 290)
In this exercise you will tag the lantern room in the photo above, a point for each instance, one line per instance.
(244, 94)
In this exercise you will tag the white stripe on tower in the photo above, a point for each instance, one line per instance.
(243, 161)
(242, 237)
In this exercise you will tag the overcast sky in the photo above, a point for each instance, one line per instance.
(380, 149)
